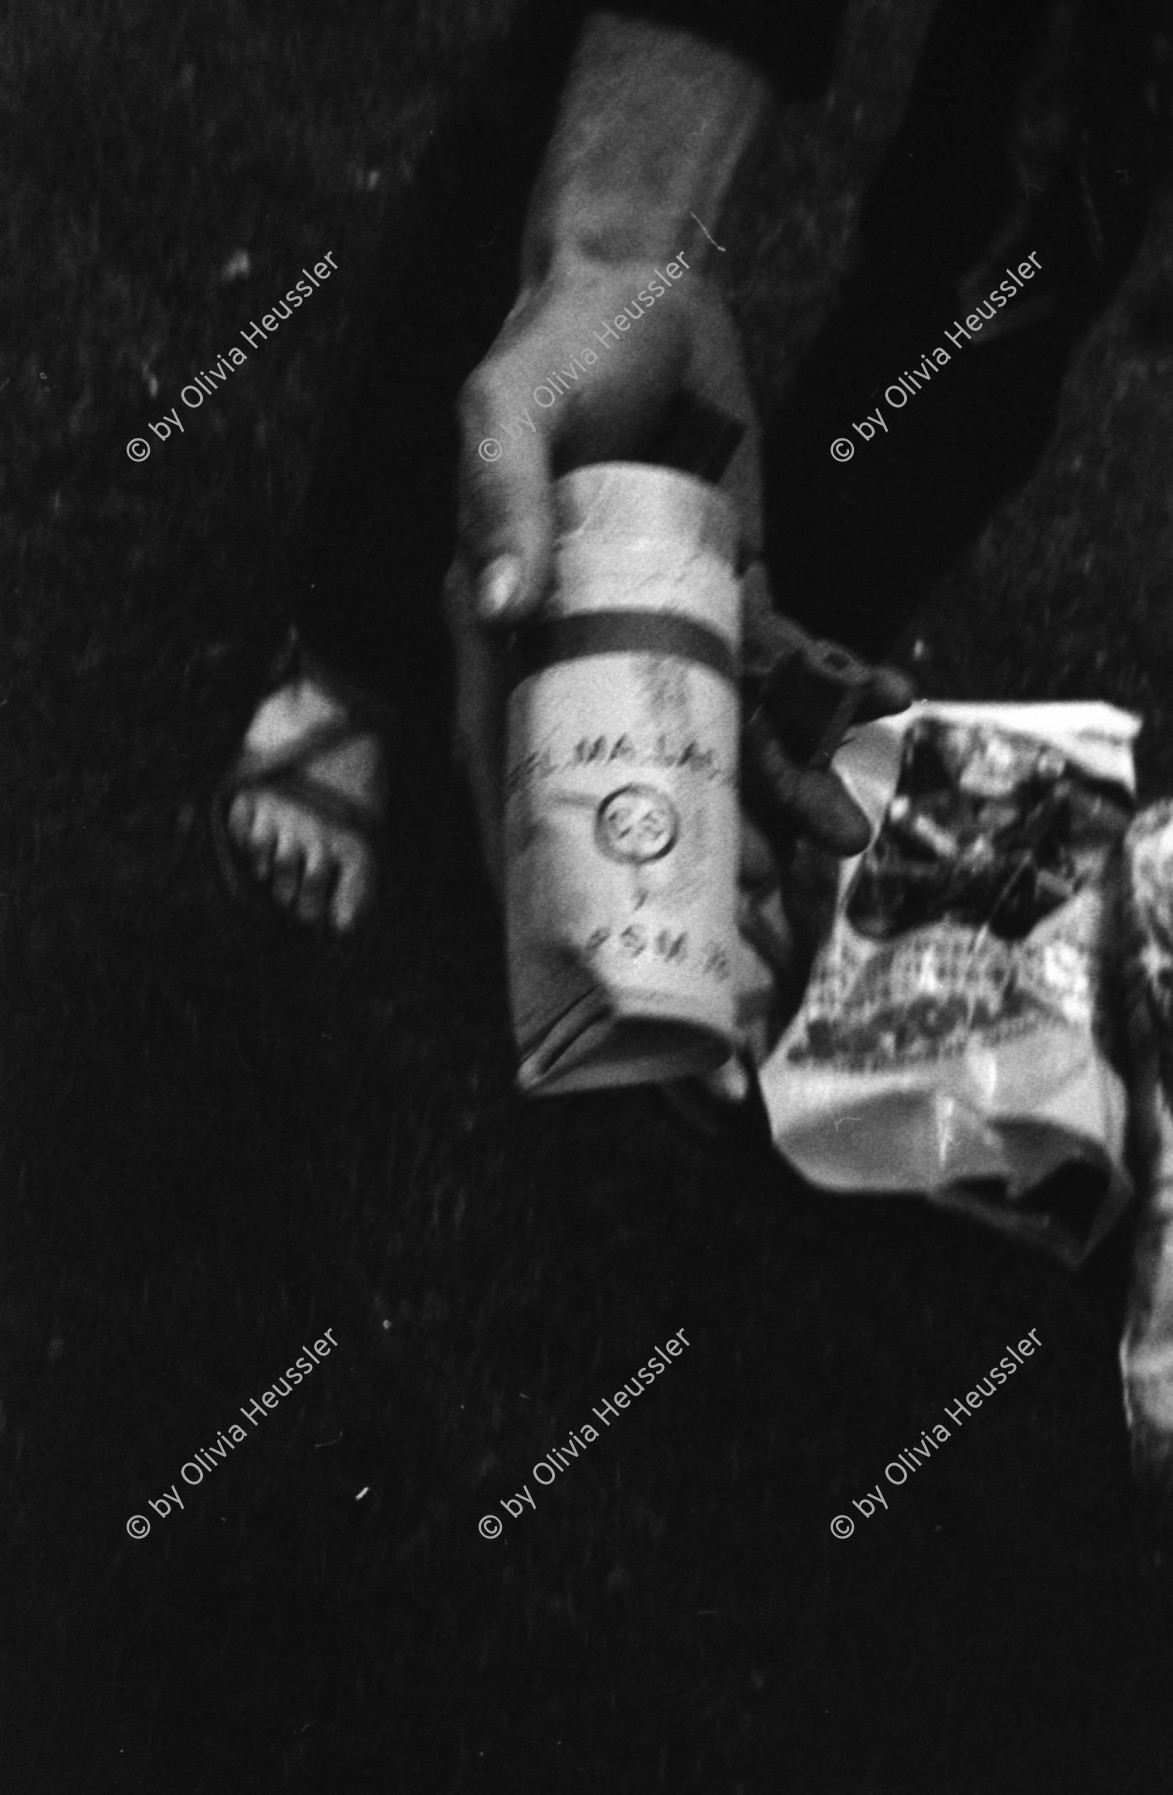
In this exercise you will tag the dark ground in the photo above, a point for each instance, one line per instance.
(221, 1139)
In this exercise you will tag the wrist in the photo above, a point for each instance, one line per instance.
(595, 244)
(653, 128)
(582, 269)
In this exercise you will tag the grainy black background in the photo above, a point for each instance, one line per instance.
(220, 1139)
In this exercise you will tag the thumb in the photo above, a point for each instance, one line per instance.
(505, 512)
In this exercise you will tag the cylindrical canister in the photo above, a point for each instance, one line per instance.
(622, 824)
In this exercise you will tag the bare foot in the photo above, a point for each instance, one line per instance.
(316, 866)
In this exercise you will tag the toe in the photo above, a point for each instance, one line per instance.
(353, 893)
(241, 815)
(316, 882)
(262, 844)
(287, 869)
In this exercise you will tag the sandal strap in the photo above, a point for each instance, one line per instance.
(286, 773)
(254, 768)
(326, 804)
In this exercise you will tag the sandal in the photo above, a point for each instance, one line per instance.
(286, 772)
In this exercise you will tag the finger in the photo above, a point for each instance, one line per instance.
(758, 870)
(505, 520)
(830, 816)
(769, 635)
(800, 800)
(889, 691)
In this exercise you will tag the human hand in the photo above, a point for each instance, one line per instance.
(606, 391)
(684, 344)
(799, 697)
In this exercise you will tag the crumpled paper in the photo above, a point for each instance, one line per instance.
(956, 1037)
(1146, 1350)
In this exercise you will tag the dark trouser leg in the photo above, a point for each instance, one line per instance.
(378, 523)
(856, 546)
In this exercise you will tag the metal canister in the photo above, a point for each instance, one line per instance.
(622, 822)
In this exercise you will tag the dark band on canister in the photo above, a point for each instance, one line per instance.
(541, 645)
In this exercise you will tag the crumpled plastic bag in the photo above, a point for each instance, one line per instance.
(960, 1035)
(1146, 1350)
